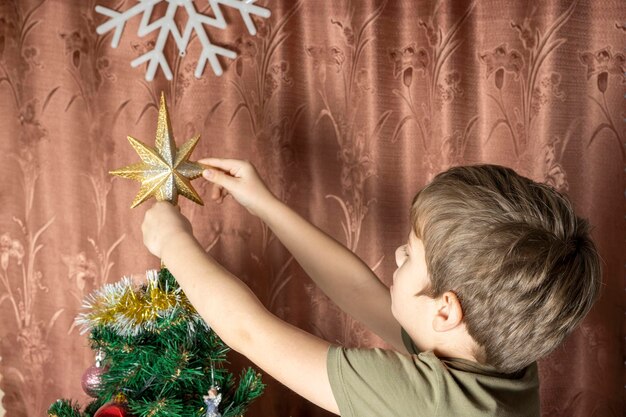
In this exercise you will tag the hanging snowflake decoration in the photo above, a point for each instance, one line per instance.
(167, 26)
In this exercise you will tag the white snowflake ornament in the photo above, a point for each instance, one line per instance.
(167, 26)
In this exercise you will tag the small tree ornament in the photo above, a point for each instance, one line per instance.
(212, 401)
(114, 408)
(92, 378)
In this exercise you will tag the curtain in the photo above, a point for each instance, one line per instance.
(346, 108)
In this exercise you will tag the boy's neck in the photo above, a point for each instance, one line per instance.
(454, 344)
(443, 352)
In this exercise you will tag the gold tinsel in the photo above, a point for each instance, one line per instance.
(130, 310)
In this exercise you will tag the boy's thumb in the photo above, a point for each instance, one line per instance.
(209, 174)
(217, 177)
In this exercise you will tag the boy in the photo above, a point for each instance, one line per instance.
(497, 270)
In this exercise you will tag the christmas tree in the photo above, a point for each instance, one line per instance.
(156, 357)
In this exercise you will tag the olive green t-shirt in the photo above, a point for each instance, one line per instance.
(385, 383)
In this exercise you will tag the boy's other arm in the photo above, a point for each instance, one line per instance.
(342, 275)
(293, 357)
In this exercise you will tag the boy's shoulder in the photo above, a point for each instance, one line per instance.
(383, 382)
(470, 385)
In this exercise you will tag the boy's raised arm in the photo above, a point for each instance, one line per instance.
(293, 357)
(342, 275)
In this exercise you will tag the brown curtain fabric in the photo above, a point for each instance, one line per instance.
(347, 109)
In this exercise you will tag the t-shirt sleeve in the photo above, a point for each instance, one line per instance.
(377, 382)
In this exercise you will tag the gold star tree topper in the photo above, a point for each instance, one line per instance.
(164, 172)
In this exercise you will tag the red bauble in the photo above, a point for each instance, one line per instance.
(112, 409)
(91, 380)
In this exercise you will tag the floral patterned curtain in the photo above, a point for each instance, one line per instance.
(346, 108)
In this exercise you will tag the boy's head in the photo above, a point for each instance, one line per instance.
(513, 254)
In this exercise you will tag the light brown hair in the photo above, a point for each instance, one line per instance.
(521, 262)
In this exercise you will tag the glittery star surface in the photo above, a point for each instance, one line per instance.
(164, 171)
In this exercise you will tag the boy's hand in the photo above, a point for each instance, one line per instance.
(239, 179)
(162, 222)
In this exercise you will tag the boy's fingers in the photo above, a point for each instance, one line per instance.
(223, 164)
(216, 192)
(219, 177)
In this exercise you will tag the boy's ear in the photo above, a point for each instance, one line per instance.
(449, 312)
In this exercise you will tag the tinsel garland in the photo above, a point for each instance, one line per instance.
(130, 310)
